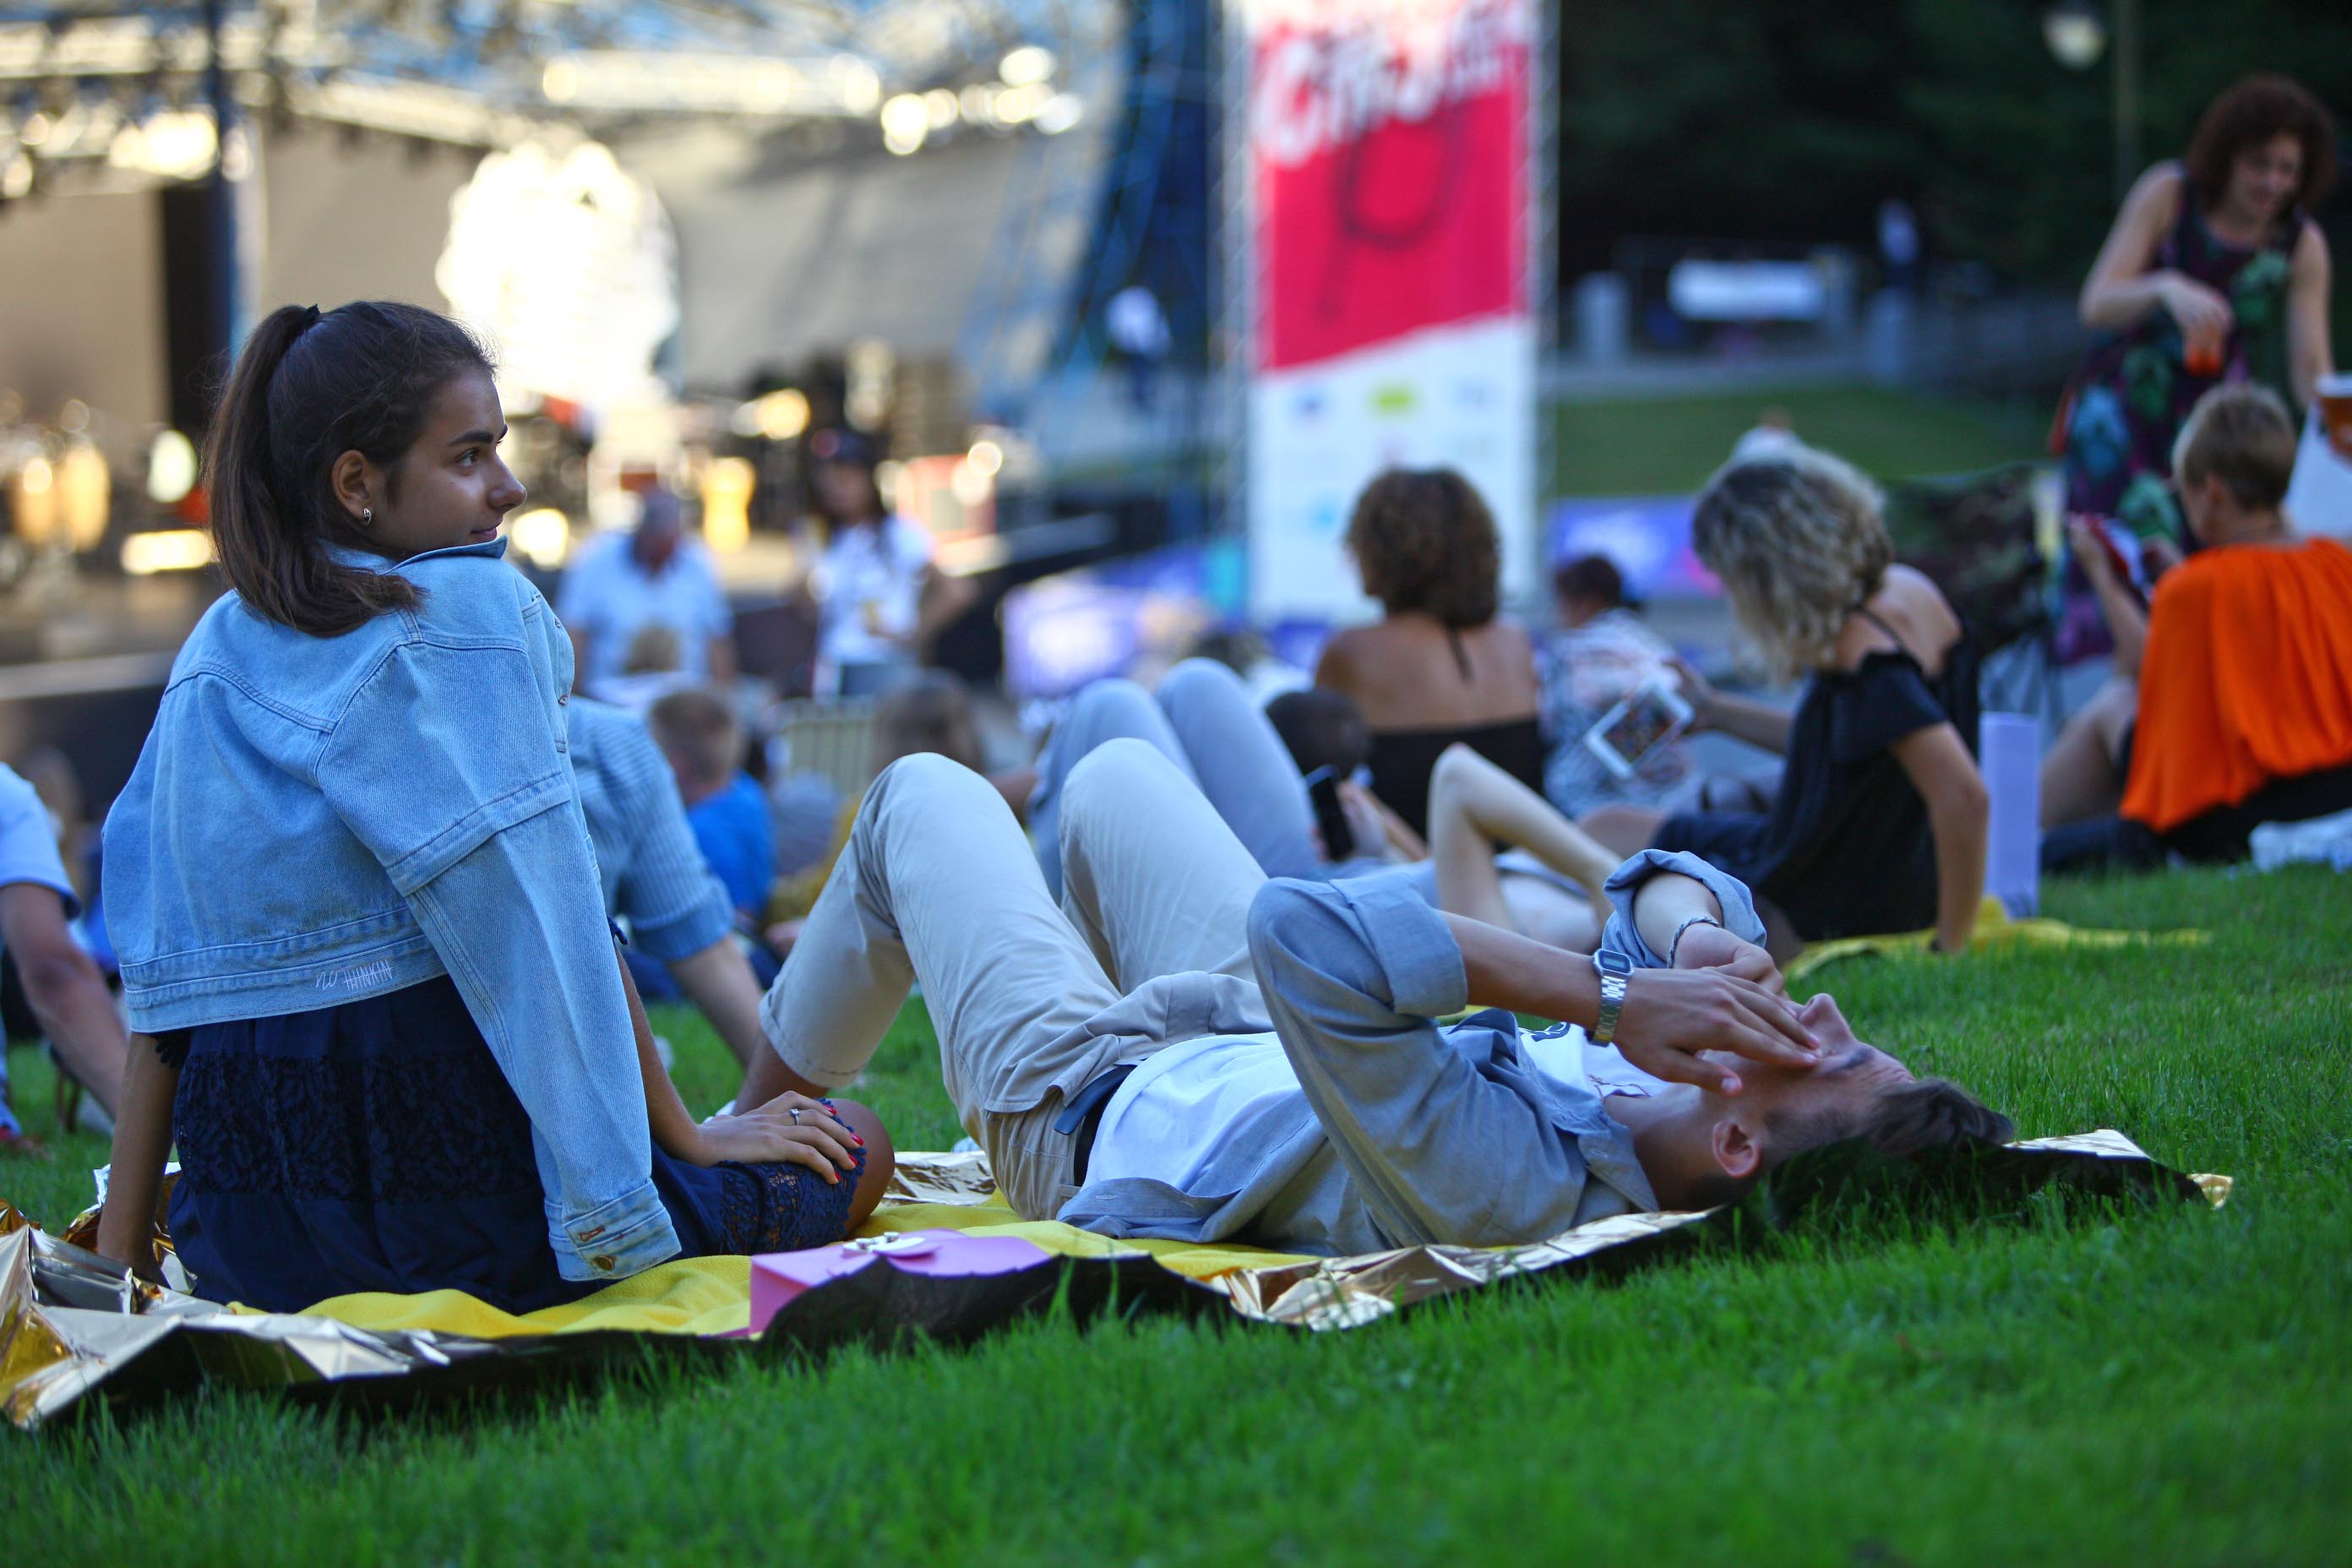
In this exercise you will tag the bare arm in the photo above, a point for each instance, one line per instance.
(2119, 607)
(1758, 723)
(718, 981)
(790, 1127)
(1761, 724)
(67, 992)
(143, 1143)
(2121, 290)
(1665, 901)
(674, 1131)
(2309, 354)
(1959, 810)
(1669, 1013)
(940, 600)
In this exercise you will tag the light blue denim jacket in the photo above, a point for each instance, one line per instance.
(1354, 975)
(317, 820)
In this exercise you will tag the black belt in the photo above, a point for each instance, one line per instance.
(1083, 1116)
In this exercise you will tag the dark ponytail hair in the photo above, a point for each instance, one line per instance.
(308, 388)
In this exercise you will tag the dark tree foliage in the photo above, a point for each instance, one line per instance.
(1792, 120)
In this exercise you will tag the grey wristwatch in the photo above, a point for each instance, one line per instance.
(1615, 970)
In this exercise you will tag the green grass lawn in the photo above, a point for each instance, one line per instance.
(2145, 1386)
(1668, 446)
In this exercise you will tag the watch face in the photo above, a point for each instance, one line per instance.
(1612, 963)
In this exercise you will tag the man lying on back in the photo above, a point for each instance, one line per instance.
(1183, 1049)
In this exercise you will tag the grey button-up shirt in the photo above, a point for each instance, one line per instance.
(1403, 1131)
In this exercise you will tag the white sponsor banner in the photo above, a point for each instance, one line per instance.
(1458, 397)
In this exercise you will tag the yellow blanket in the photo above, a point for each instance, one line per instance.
(713, 1295)
(1994, 929)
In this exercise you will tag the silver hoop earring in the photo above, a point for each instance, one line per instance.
(367, 517)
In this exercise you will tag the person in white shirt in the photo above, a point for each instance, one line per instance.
(871, 581)
(623, 585)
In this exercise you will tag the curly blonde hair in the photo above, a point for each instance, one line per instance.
(1798, 542)
(1425, 541)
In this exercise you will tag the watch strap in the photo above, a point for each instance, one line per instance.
(1613, 986)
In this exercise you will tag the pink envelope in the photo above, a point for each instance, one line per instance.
(778, 1277)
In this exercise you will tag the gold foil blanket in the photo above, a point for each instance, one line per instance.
(74, 1325)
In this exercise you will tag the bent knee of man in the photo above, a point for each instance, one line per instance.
(1108, 776)
(1193, 679)
(1099, 707)
(925, 771)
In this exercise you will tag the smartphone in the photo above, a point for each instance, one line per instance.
(1651, 714)
(2124, 551)
(1331, 821)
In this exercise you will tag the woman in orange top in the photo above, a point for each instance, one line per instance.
(2232, 703)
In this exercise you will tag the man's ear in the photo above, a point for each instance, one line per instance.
(1737, 1154)
(1828, 1023)
(354, 484)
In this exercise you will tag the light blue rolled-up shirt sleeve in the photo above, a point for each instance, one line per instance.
(1621, 935)
(28, 843)
(656, 875)
(449, 767)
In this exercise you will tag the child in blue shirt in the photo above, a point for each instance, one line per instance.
(724, 806)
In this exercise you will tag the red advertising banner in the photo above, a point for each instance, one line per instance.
(1388, 150)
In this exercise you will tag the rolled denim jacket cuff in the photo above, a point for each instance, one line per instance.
(1622, 936)
(614, 1240)
(685, 934)
(1410, 940)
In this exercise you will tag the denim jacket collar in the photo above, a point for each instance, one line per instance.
(369, 561)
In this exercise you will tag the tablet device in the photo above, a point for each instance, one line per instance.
(1651, 714)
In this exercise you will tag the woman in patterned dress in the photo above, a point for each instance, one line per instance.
(2213, 272)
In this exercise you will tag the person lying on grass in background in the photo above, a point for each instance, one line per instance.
(1185, 1049)
(380, 1008)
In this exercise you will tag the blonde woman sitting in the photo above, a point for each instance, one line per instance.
(1880, 822)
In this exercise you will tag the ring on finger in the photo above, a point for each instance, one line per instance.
(796, 1115)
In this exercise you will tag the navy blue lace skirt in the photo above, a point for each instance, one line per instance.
(376, 1146)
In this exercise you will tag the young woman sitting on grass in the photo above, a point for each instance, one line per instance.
(2231, 701)
(1880, 824)
(362, 935)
